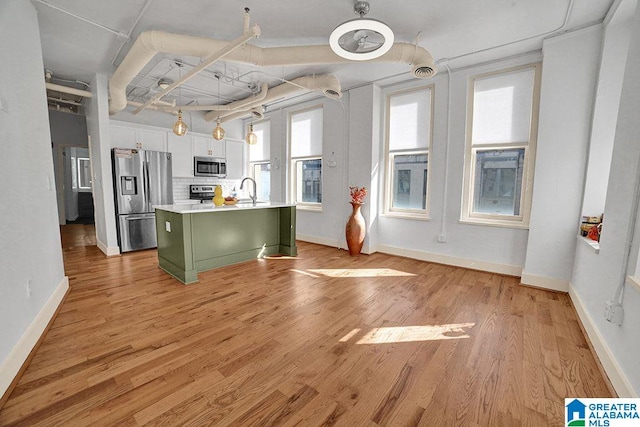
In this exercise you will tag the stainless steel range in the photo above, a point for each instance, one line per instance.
(203, 193)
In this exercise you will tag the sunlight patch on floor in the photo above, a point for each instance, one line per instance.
(360, 272)
(350, 335)
(304, 273)
(398, 334)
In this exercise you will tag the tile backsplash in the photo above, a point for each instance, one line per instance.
(181, 186)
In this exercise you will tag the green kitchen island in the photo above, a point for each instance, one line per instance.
(200, 237)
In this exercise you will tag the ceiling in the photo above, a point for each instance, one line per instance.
(81, 38)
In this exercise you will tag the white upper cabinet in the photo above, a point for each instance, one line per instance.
(122, 137)
(182, 152)
(235, 159)
(134, 137)
(202, 146)
(182, 148)
(152, 140)
(220, 148)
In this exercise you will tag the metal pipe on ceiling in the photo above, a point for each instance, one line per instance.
(250, 33)
(64, 101)
(69, 90)
(149, 43)
(83, 19)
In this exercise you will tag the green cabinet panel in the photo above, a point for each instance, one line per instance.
(206, 240)
(226, 233)
(174, 245)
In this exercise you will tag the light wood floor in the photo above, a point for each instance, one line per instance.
(323, 339)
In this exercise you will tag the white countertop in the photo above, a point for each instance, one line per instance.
(210, 207)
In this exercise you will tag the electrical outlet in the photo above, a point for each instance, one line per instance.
(442, 238)
(167, 226)
(614, 313)
(28, 288)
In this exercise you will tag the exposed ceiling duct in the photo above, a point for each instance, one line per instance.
(326, 84)
(150, 43)
(257, 113)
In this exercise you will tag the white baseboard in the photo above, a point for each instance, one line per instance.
(10, 367)
(618, 379)
(544, 282)
(492, 267)
(107, 250)
(318, 240)
(328, 242)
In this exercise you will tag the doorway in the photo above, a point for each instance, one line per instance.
(74, 185)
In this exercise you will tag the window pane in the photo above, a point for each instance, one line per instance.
(306, 133)
(409, 120)
(260, 151)
(262, 176)
(502, 107)
(498, 181)
(84, 173)
(309, 181)
(410, 181)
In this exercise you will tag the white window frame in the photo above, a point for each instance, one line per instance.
(293, 185)
(80, 160)
(252, 173)
(252, 164)
(389, 210)
(514, 221)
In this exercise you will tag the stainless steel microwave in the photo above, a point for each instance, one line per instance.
(210, 166)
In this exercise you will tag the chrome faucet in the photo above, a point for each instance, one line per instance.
(254, 198)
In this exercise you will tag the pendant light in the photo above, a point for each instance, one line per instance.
(180, 128)
(362, 38)
(252, 138)
(218, 132)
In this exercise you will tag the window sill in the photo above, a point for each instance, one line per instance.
(402, 215)
(595, 246)
(501, 224)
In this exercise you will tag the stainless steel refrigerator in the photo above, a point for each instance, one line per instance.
(141, 180)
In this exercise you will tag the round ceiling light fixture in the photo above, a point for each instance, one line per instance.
(362, 38)
(164, 83)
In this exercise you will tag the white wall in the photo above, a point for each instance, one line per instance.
(68, 129)
(194, 119)
(327, 226)
(596, 276)
(614, 57)
(364, 165)
(97, 111)
(31, 251)
(497, 249)
(569, 74)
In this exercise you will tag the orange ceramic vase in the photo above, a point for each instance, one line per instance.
(355, 230)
